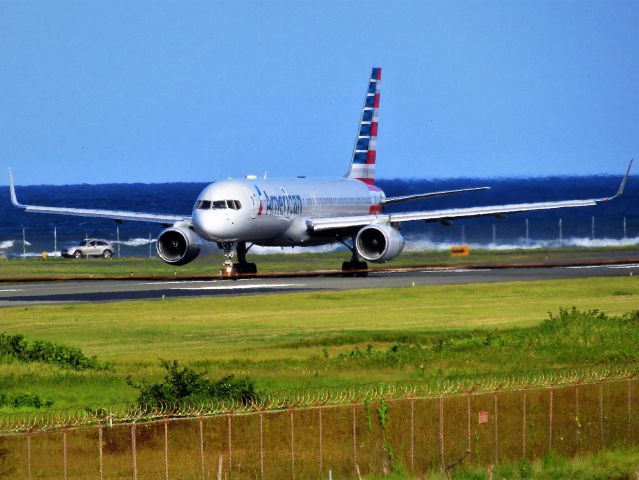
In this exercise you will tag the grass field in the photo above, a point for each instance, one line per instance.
(302, 340)
(208, 265)
(618, 463)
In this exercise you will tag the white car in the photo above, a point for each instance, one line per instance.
(89, 248)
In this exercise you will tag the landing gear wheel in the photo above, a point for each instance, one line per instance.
(347, 269)
(355, 269)
(229, 271)
(233, 270)
(245, 268)
(107, 254)
(77, 254)
(362, 269)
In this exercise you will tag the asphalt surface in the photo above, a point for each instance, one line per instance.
(60, 292)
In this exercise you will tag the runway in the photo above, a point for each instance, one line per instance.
(63, 292)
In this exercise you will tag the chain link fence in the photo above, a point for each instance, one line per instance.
(381, 434)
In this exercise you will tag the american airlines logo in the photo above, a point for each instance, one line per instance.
(281, 204)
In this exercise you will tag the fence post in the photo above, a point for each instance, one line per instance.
(523, 425)
(29, 454)
(629, 410)
(354, 440)
(321, 444)
(201, 426)
(292, 443)
(64, 452)
(577, 420)
(230, 441)
(552, 396)
(261, 445)
(496, 412)
(412, 434)
(441, 432)
(601, 425)
(468, 428)
(166, 448)
(100, 454)
(134, 459)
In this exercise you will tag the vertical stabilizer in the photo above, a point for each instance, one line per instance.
(363, 161)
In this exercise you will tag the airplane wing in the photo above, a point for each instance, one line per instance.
(120, 216)
(338, 223)
(418, 196)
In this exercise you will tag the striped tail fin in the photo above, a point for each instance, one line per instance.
(363, 161)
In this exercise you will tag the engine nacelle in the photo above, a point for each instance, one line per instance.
(379, 243)
(178, 245)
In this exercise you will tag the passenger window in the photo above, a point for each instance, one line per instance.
(219, 204)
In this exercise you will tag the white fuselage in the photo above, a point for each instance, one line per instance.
(275, 212)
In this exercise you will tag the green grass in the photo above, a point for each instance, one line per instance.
(302, 340)
(615, 464)
(208, 265)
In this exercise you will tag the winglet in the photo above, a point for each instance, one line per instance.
(622, 186)
(12, 189)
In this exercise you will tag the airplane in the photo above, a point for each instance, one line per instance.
(298, 212)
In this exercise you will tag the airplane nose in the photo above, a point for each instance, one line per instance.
(199, 223)
(207, 225)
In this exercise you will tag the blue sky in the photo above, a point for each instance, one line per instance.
(95, 92)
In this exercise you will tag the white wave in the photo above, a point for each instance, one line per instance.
(417, 244)
(603, 242)
(35, 254)
(135, 242)
(7, 244)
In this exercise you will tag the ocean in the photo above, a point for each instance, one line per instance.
(609, 224)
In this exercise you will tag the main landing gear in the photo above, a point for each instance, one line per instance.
(355, 267)
(242, 267)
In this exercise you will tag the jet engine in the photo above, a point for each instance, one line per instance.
(178, 245)
(379, 243)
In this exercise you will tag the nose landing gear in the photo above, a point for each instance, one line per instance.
(242, 267)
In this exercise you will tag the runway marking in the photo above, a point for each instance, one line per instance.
(439, 270)
(177, 282)
(457, 270)
(182, 282)
(243, 287)
(583, 267)
(12, 290)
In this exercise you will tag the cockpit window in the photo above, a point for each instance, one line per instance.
(218, 204)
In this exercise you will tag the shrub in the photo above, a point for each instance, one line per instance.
(24, 400)
(185, 386)
(18, 347)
